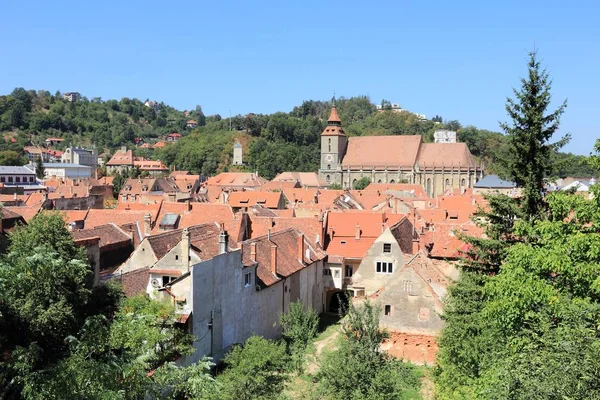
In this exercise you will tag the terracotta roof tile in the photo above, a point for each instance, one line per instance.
(311, 227)
(288, 251)
(28, 212)
(121, 158)
(109, 235)
(237, 179)
(382, 151)
(445, 154)
(119, 217)
(251, 198)
(305, 179)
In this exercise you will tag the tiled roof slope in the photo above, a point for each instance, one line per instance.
(109, 234)
(445, 154)
(382, 151)
(288, 251)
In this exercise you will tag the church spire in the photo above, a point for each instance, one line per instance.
(334, 117)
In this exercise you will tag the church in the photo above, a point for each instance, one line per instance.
(438, 167)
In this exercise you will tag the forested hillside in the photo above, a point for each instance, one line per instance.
(272, 143)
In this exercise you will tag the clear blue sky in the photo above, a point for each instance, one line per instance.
(456, 59)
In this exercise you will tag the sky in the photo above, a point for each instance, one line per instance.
(458, 59)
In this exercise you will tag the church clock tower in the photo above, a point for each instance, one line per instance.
(333, 148)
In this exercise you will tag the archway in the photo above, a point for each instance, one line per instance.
(338, 302)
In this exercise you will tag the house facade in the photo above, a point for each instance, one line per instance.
(75, 155)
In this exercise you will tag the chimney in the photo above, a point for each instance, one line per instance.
(301, 247)
(253, 251)
(185, 248)
(15, 196)
(357, 234)
(223, 239)
(316, 199)
(274, 259)
(188, 204)
(147, 224)
(415, 246)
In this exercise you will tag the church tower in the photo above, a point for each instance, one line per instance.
(333, 148)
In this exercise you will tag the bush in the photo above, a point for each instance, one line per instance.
(299, 328)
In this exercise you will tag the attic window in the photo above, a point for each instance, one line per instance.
(388, 309)
(453, 215)
(387, 247)
(244, 200)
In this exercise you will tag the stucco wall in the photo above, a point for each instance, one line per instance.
(142, 257)
(366, 275)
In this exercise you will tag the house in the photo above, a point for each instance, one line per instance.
(244, 292)
(304, 179)
(237, 181)
(437, 167)
(492, 184)
(244, 200)
(121, 161)
(71, 96)
(348, 238)
(114, 245)
(32, 153)
(444, 136)
(169, 255)
(192, 124)
(173, 137)
(17, 176)
(54, 155)
(52, 141)
(67, 170)
(76, 155)
(153, 168)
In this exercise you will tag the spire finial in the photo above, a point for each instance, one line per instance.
(333, 99)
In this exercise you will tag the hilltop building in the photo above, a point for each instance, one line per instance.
(444, 136)
(237, 154)
(437, 167)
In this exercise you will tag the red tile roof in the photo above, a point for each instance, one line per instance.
(382, 151)
(251, 198)
(237, 179)
(288, 261)
(305, 179)
(445, 154)
(121, 158)
(109, 235)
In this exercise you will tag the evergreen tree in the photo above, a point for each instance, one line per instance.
(529, 135)
(39, 168)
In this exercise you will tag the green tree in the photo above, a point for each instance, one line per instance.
(39, 168)
(358, 369)
(299, 327)
(11, 157)
(254, 371)
(362, 183)
(529, 134)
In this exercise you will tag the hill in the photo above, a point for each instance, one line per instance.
(272, 143)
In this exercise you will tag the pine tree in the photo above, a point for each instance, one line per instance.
(39, 168)
(529, 135)
(528, 163)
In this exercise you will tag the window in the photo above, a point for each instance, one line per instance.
(10, 179)
(176, 257)
(382, 267)
(326, 272)
(336, 274)
(447, 182)
(388, 309)
(462, 182)
(392, 181)
(348, 271)
(328, 166)
(18, 179)
(330, 145)
(387, 247)
(328, 178)
(407, 286)
(247, 279)
(428, 187)
(167, 279)
(2, 179)
(31, 179)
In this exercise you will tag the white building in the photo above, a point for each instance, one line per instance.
(237, 154)
(67, 170)
(76, 155)
(72, 96)
(444, 136)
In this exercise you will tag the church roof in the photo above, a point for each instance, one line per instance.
(334, 124)
(445, 154)
(381, 151)
(334, 116)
